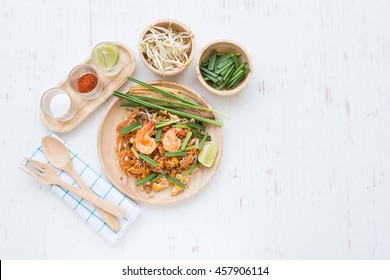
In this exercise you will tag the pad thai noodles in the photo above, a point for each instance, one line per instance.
(158, 149)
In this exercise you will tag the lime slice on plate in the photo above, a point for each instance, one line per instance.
(208, 155)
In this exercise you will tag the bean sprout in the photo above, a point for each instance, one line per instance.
(165, 49)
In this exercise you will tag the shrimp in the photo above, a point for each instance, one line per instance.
(170, 141)
(143, 142)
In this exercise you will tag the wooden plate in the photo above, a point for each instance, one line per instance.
(86, 107)
(108, 159)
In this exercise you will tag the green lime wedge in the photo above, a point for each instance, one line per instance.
(106, 55)
(208, 155)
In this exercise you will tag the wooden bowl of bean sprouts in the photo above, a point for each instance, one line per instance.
(166, 47)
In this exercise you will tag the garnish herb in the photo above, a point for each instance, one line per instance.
(145, 180)
(175, 154)
(175, 181)
(130, 128)
(201, 144)
(224, 71)
(148, 160)
(189, 171)
(185, 142)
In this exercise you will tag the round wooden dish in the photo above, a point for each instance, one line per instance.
(108, 159)
(224, 46)
(176, 26)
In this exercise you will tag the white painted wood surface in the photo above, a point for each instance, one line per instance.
(306, 166)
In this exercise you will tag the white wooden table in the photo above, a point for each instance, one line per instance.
(305, 172)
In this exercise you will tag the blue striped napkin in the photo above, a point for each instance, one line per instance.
(101, 187)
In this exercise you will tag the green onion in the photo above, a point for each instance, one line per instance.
(235, 60)
(185, 141)
(130, 128)
(196, 126)
(189, 171)
(172, 111)
(158, 134)
(223, 63)
(200, 135)
(145, 180)
(175, 154)
(158, 177)
(175, 181)
(212, 60)
(227, 72)
(190, 148)
(224, 68)
(148, 160)
(163, 92)
(201, 144)
(129, 104)
(173, 104)
(162, 124)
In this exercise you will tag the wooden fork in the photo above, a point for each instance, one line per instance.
(47, 175)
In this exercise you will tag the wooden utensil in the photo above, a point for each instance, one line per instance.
(47, 175)
(126, 184)
(59, 156)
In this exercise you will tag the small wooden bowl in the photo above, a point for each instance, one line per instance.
(224, 46)
(176, 26)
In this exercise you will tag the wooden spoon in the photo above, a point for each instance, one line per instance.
(59, 156)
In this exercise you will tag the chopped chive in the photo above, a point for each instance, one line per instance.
(175, 181)
(200, 135)
(162, 124)
(185, 141)
(210, 73)
(226, 72)
(205, 62)
(196, 126)
(158, 134)
(223, 63)
(212, 60)
(190, 148)
(189, 171)
(158, 177)
(239, 69)
(235, 60)
(145, 180)
(148, 160)
(175, 154)
(201, 144)
(209, 77)
(225, 67)
(130, 128)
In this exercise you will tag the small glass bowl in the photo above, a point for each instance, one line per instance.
(57, 104)
(79, 71)
(97, 53)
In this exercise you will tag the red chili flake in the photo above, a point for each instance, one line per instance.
(86, 83)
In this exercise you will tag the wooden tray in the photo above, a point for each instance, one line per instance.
(108, 159)
(86, 107)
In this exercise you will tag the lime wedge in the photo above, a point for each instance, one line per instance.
(106, 55)
(208, 155)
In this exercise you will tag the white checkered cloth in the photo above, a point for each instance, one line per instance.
(101, 187)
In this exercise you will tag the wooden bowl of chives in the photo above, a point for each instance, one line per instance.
(224, 46)
(178, 27)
